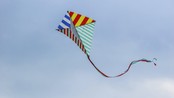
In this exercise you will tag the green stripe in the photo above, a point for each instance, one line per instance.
(87, 44)
(82, 31)
(69, 33)
(89, 30)
(84, 34)
(90, 27)
(86, 29)
(84, 37)
(86, 41)
(87, 48)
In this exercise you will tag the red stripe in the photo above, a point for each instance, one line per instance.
(73, 37)
(82, 48)
(80, 45)
(85, 50)
(144, 60)
(84, 21)
(93, 20)
(76, 19)
(70, 34)
(78, 42)
(65, 31)
(71, 13)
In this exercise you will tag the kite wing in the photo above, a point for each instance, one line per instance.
(80, 29)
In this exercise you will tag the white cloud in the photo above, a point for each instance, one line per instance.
(151, 88)
(147, 88)
(161, 86)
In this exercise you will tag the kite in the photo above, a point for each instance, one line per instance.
(80, 28)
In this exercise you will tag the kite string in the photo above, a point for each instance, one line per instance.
(133, 62)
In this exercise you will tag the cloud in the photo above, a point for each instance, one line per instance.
(139, 88)
(150, 88)
(37, 62)
(161, 86)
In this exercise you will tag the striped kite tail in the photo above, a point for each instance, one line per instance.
(132, 63)
(136, 61)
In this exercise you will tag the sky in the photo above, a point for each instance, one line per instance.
(36, 61)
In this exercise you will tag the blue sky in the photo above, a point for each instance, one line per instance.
(36, 61)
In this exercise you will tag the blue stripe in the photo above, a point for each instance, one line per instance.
(60, 27)
(67, 17)
(67, 24)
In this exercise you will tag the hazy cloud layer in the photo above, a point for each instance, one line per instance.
(36, 61)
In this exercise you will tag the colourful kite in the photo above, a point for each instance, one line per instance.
(80, 29)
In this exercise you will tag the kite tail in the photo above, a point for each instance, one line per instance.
(133, 62)
(136, 61)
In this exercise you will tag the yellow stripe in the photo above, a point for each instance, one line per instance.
(73, 16)
(80, 21)
(89, 21)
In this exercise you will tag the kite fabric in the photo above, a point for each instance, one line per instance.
(80, 28)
